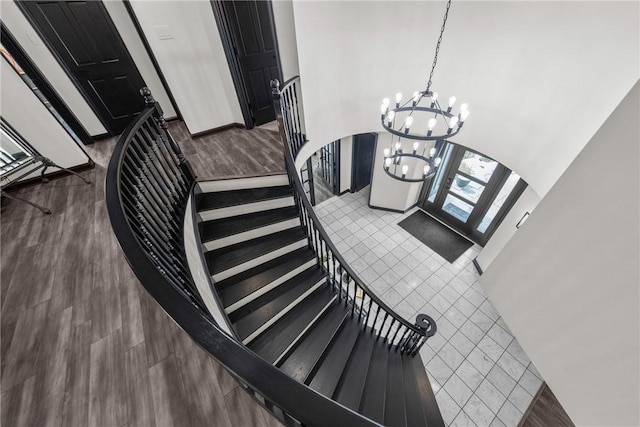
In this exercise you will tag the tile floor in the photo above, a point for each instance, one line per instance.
(479, 372)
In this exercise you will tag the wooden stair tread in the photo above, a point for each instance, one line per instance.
(351, 386)
(237, 287)
(432, 415)
(326, 379)
(412, 397)
(275, 340)
(372, 404)
(223, 199)
(248, 318)
(300, 363)
(225, 227)
(394, 405)
(230, 256)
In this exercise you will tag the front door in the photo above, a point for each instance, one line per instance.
(471, 192)
(85, 41)
(254, 42)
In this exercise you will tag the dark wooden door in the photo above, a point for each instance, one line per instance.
(255, 46)
(87, 44)
(364, 148)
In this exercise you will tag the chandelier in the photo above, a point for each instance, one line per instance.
(425, 123)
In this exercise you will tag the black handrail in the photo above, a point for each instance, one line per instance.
(370, 310)
(146, 200)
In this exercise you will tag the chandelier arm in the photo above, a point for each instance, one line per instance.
(435, 57)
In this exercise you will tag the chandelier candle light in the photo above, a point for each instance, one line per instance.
(420, 119)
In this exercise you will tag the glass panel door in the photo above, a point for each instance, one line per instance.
(466, 182)
(471, 192)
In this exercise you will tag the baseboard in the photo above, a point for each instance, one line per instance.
(218, 129)
(226, 177)
(345, 192)
(50, 176)
(392, 210)
(101, 137)
(477, 266)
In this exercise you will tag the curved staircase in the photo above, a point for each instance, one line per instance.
(280, 303)
(283, 311)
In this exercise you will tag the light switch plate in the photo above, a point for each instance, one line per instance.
(163, 32)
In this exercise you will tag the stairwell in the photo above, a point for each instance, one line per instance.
(280, 304)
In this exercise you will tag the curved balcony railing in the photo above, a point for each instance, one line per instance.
(148, 186)
(371, 311)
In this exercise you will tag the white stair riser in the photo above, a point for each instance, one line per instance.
(280, 280)
(304, 331)
(287, 309)
(257, 261)
(243, 183)
(265, 205)
(252, 234)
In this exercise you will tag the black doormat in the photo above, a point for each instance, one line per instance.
(446, 242)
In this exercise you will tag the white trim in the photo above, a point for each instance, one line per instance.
(284, 311)
(199, 270)
(218, 277)
(243, 183)
(252, 234)
(264, 205)
(274, 284)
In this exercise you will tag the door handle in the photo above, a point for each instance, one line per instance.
(448, 184)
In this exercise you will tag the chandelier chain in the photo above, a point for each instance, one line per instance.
(435, 57)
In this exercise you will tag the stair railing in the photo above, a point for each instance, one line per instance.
(370, 310)
(148, 186)
(291, 111)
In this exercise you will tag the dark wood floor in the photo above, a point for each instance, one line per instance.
(235, 152)
(81, 342)
(546, 411)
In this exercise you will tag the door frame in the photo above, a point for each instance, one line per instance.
(492, 189)
(152, 57)
(333, 167)
(354, 162)
(228, 44)
(14, 48)
(25, 11)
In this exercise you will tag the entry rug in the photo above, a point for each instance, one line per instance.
(446, 242)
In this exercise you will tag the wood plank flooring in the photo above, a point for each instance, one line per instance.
(546, 411)
(81, 341)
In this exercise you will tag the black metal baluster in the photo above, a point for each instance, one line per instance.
(169, 174)
(395, 334)
(153, 172)
(366, 320)
(401, 343)
(386, 315)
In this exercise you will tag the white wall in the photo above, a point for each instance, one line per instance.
(567, 284)
(49, 66)
(30, 118)
(193, 61)
(527, 202)
(286, 34)
(132, 41)
(346, 158)
(387, 192)
(540, 77)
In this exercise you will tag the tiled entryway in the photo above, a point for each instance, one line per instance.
(479, 372)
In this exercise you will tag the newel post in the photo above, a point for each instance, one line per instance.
(276, 96)
(428, 327)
